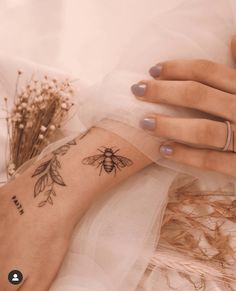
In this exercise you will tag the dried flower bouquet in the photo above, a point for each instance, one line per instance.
(40, 107)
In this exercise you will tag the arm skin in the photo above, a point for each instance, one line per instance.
(31, 235)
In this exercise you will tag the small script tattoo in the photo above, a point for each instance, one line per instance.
(49, 175)
(108, 161)
(18, 204)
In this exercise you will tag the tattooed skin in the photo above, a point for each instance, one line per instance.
(48, 173)
(17, 204)
(108, 161)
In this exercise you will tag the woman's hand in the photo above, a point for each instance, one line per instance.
(201, 85)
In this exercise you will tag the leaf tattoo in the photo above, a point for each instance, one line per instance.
(54, 174)
(41, 168)
(49, 176)
(48, 172)
(40, 184)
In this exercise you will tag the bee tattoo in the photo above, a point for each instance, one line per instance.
(108, 161)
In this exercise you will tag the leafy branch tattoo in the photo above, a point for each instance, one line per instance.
(49, 175)
(17, 204)
(108, 161)
(48, 172)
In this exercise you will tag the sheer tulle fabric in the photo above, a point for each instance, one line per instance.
(116, 239)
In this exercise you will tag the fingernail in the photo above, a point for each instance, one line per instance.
(139, 89)
(166, 150)
(148, 123)
(155, 71)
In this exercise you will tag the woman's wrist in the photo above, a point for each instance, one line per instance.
(87, 179)
(74, 176)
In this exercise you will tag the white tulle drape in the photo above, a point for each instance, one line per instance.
(111, 45)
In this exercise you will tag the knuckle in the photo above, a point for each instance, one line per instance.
(194, 92)
(206, 133)
(202, 68)
(203, 133)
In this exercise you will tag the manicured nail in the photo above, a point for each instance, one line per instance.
(148, 123)
(155, 71)
(166, 150)
(139, 90)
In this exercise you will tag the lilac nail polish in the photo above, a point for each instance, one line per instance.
(148, 123)
(166, 150)
(139, 89)
(155, 71)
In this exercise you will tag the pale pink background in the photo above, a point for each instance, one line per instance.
(85, 37)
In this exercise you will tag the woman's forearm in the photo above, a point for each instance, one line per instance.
(70, 178)
(99, 161)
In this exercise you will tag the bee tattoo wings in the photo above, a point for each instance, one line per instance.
(108, 161)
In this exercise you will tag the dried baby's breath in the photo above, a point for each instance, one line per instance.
(40, 107)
